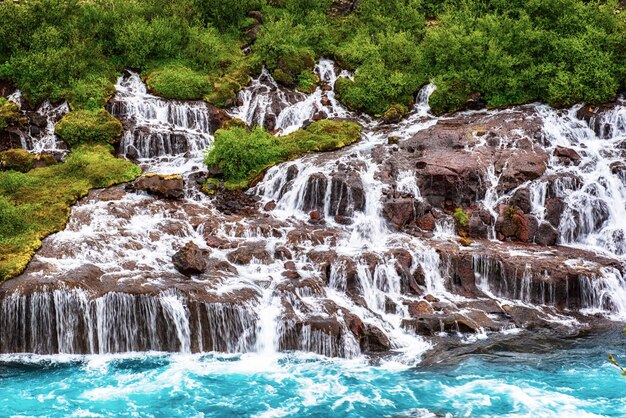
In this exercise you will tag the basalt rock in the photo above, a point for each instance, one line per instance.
(567, 154)
(249, 252)
(168, 186)
(190, 259)
(513, 224)
(546, 234)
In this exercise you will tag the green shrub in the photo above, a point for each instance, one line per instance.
(461, 218)
(307, 81)
(16, 159)
(243, 154)
(89, 126)
(178, 82)
(239, 152)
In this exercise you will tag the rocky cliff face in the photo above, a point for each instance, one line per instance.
(354, 251)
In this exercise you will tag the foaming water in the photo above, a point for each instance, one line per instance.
(551, 383)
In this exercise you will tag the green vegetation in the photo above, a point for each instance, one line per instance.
(82, 126)
(243, 154)
(17, 160)
(178, 82)
(497, 52)
(461, 218)
(37, 203)
(9, 113)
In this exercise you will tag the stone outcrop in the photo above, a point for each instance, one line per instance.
(169, 186)
(190, 259)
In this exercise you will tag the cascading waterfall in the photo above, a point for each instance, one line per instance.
(168, 135)
(321, 269)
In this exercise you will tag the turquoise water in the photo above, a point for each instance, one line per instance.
(573, 380)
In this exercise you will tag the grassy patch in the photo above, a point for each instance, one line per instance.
(88, 126)
(244, 154)
(36, 204)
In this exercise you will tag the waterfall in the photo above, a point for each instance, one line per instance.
(164, 134)
(39, 136)
(316, 263)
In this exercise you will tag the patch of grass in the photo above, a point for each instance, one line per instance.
(36, 204)
(89, 126)
(244, 154)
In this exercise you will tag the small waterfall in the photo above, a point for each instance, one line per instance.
(158, 130)
(594, 212)
(265, 103)
(39, 136)
(72, 322)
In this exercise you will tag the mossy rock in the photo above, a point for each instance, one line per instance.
(37, 203)
(395, 113)
(89, 126)
(9, 113)
(211, 186)
(16, 159)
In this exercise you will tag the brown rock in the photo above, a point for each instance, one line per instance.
(190, 259)
(567, 153)
(420, 308)
(168, 186)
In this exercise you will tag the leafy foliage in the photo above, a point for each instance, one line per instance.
(461, 218)
(497, 52)
(242, 154)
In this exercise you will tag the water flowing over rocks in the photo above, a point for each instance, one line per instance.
(344, 253)
(35, 132)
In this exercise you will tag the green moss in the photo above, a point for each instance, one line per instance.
(89, 126)
(244, 154)
(211, 185)
(16, 159)
(178, 82)
(36, 204)
(9, 113)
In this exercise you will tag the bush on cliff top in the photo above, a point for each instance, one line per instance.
(89, 126)
(501, 52)
(36, 204)
(243, 154)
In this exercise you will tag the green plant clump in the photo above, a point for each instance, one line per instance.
(461, 218)
(243, 154)
(89, 126)
(37, 203)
